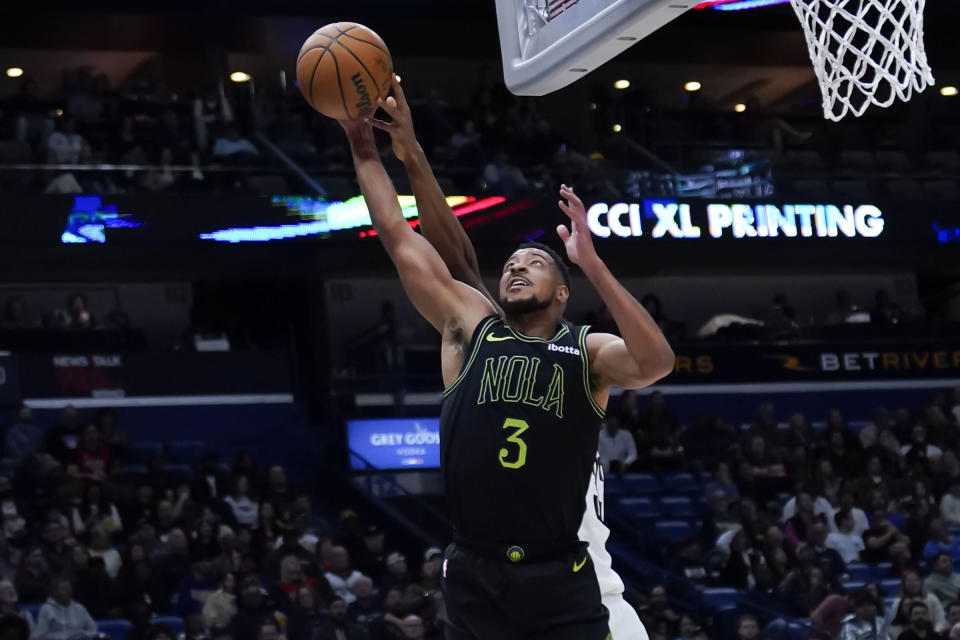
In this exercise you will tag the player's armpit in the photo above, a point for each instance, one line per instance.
(439, 298)
(611, 364)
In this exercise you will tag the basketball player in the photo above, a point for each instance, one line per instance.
(442, 229)
(523, 400)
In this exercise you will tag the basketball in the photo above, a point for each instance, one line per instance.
(343, 68)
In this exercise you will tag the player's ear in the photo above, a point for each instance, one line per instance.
(562, 294)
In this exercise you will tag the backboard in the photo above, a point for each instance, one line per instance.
(547, 44)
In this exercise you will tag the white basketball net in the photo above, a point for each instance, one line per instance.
(865, 51)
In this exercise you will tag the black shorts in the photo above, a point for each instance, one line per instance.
(553, 599)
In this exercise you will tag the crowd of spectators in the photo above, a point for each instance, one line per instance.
(790, 508)
(235, 553)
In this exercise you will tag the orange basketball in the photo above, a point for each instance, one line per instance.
(343, 68)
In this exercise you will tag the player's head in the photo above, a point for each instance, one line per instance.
(534, 279)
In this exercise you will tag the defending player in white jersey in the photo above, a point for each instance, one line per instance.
(442, 229)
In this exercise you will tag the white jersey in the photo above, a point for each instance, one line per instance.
(624, 622)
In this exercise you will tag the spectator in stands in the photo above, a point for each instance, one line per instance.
(233, 147)
(717, 519)
(747, 627)
(91, 459)
(93, 584)
(501, 176)
(821, 506)
(367, 605)
(879, 539)
(845, 540)
(64, 436)
(102, 547)
(340, 575)
(291, 576)
(340, 627)
(688, 627)
(919, 448)
(911, 591)
(950, 504)
(657, 421)
(953, 614)
(797, 528)
(738, 569)
(616, 447)
(221, 605)
(194, 589)
(252, 610)
(209, 482)
(55, 548)
(10, 559)
(245, 510)
(846, 503)
(61, 618)
(10, 604)
(65, 145)
(943, 582)
(33, 578)
(920, 627)
(660, 621)
(722, 480)
(278, 492)
(827, 559)
(95, 511)
(23, 437)
(864, 624)
(138, 582)
(830, 614)
(306, 618)
(397, 573)
(804, 589)
(940, 541)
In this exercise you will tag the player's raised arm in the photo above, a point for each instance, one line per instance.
(428, 283)
(643, 355)
(440, 227)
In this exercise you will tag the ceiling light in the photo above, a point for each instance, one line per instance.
(14, 72)
(621, 84)
(948, 91)
(739, 107)
(240, 76)
(693, 85)
(617, 128)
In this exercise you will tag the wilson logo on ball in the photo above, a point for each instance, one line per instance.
(364, 102)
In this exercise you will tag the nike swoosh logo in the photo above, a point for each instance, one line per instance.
(579, 565)
(493, 338)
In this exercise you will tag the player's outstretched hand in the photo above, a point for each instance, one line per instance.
(576, 239)
(400, 126)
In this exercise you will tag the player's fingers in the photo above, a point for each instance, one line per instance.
(378, 124)
(389, 105)
(565, 208)
(398, 91)
(568, 193)
(563, 232)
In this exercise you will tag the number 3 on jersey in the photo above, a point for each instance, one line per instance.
(520, 459)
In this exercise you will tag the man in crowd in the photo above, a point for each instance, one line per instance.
(62, 618)
(864, 624)
(616, 447)
(943, 582)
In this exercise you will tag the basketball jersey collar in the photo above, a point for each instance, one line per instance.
(561, 331)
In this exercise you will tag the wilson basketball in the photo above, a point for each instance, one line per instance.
(343, 68)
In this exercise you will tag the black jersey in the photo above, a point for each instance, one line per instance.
(518, 435)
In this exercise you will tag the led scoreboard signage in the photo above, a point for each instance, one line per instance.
(716, 220)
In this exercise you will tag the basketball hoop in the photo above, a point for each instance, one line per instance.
(865, 52)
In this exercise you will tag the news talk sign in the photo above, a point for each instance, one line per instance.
(737, 221)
